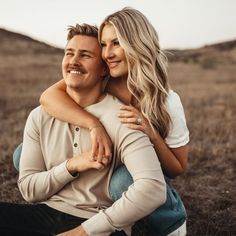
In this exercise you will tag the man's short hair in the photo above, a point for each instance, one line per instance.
(83, 29)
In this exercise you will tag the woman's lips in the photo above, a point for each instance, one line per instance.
(113, 64)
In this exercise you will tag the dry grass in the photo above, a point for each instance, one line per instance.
(208, 187)
(208, 94)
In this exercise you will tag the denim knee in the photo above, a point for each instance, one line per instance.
(16, 156)
(170, 216)
(120, 181)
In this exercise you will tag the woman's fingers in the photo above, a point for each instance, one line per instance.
(126, 114)
(94, 148)
(128, 108)
(133, 120)
(101, 144)
(136, 127)
(108, 150)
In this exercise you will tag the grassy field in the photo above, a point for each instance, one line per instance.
(207, 88)
(208, 187)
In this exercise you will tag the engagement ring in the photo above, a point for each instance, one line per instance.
(139, 121)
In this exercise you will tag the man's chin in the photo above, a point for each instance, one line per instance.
(73, 82)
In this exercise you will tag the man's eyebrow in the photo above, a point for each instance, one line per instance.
(86, 51)
(69, 49)
(80, 50)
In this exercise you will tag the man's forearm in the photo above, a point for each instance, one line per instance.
(40, 185)
(147, 193)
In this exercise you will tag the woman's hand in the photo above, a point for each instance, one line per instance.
(101, 144)
(135, 120)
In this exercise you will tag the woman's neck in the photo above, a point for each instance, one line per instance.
(118, 88)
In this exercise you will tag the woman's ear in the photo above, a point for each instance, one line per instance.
(105, 71)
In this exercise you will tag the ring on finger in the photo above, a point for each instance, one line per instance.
(139, 121)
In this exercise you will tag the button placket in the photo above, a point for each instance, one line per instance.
(76, 144)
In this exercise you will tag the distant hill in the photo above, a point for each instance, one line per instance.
(27, 67)
(19, 44)
(15, 43)
(207, 56)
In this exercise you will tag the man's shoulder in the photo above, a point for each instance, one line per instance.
(38, 115)
(38, 111)
(114, 102)
(110, 108)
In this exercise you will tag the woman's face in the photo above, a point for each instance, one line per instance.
(112, 53)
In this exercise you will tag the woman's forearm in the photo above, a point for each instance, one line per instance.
(173, 161)
(58, 104)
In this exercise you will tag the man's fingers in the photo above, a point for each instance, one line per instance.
(105, 161)
(98, 165)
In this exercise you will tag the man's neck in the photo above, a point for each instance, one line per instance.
(85, 98)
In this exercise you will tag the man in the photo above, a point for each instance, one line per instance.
(56, 168)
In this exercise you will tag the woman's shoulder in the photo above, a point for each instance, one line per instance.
(173, 102)
(179, 133)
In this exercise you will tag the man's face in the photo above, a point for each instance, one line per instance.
(82, 66)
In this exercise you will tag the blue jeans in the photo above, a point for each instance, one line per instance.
(164, 220)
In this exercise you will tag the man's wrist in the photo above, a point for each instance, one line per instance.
(70, 167)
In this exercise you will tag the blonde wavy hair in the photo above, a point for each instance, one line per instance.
(147, 76)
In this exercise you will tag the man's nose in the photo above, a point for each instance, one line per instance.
(75, 60)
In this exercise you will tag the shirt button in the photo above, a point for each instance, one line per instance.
(77, 129)
(75, 144)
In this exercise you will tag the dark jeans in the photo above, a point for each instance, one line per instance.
(36, 220)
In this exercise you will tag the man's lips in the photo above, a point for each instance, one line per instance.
(77, 71)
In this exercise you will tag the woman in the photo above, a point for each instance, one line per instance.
(130, 47)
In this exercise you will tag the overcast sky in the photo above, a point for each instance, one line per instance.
(179, 23)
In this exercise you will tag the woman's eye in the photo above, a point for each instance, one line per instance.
(116, 43)
(103, 45)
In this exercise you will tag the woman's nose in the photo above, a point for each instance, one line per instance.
(108, 53)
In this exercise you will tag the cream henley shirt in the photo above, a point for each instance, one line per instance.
(49, 143)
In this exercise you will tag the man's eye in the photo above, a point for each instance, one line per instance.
(86, 56)
(103, 45)
(68, 53)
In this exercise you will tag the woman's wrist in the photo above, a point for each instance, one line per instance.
(154, 137)
(94, 123)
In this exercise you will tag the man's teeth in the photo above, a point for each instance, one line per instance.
(75, 72)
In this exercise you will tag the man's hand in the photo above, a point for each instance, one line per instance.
(78, 231)
(82, 163)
